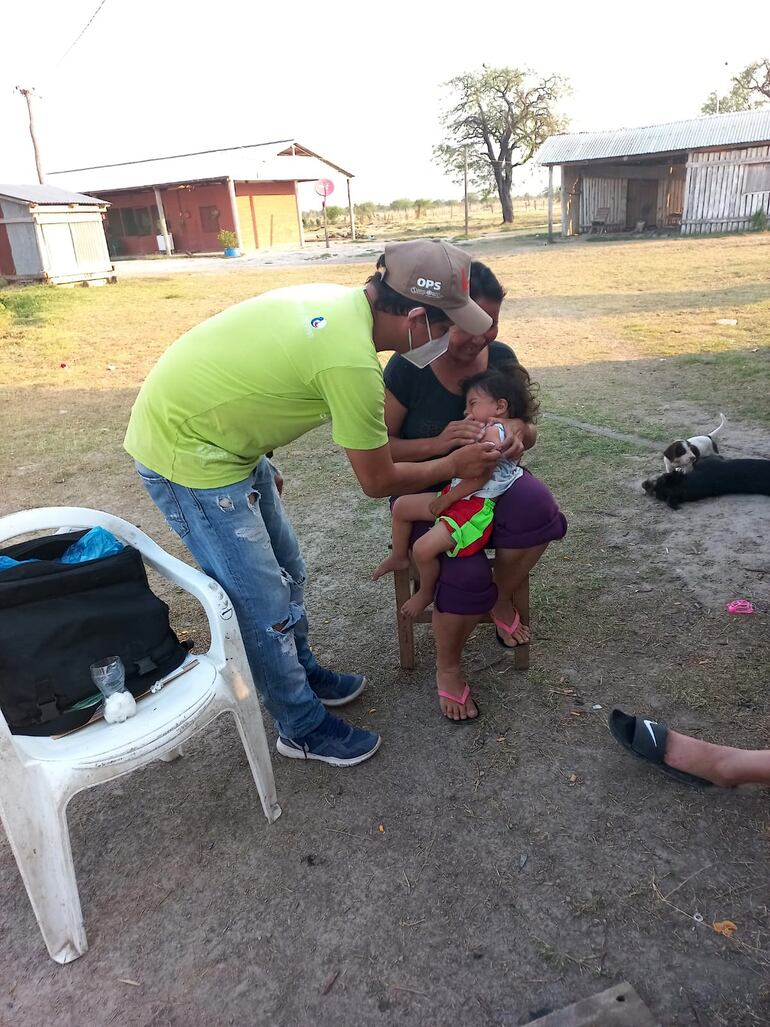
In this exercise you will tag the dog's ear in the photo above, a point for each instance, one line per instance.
(694, 450)
(673, 451)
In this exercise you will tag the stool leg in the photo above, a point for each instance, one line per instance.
(404, 624)
(521, 601)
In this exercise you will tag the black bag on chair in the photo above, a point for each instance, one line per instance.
(57, 619)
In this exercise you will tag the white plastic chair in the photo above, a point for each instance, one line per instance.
(38, 776)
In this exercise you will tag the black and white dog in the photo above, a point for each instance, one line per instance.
(682, 455)
(711, 476)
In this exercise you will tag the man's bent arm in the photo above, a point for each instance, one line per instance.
(378, 476)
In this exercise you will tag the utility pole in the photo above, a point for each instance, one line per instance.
(28, 94)
(465, 177)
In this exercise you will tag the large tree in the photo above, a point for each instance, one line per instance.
(750, 89)
(500, 116)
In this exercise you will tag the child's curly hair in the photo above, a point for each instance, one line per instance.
(511, 382)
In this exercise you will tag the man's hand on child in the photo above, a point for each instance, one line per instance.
(474, 460)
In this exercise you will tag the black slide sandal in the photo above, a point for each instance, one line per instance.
(646, 739)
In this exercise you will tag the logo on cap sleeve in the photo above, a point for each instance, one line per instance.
(318, 322)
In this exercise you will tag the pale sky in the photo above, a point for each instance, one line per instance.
(359, 83)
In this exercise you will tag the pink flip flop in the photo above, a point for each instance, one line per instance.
(460, 702)
(509, 628)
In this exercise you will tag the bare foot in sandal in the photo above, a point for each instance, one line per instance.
(455, 698)
(510, 631)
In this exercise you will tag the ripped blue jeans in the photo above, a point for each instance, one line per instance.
(241, 537)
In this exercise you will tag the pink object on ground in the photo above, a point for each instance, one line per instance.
(740, 606)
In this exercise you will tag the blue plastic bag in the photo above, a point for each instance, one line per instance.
(94, 545)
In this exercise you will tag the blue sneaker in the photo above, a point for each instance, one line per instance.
(335, 689)
(333, 741)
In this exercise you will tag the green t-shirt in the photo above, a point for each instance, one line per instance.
(255, 377)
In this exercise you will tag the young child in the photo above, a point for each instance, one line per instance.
(464, 510)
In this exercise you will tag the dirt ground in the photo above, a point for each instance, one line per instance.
(479, 875)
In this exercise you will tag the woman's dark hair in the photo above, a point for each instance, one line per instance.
(485, 284)
(388, 301)
(511, 382)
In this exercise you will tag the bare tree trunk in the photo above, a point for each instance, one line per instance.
(504, 192)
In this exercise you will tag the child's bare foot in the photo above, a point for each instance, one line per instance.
(504, 615)
(420, 601)
(393, 563)
(455, 688)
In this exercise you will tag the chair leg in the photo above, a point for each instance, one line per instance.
(405, 624)
(171, 755)
(36, 825)
(248, 718)
(521, 602)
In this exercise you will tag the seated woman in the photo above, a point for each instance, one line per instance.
(424, 416)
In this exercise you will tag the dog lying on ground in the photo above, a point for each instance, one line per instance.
(711, 476)
(683, 454)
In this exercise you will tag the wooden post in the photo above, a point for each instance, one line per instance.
(351, 208)
(465, 180)
(28, 94)
(326, 226)
(550, 203)
(234, 213)
(299, 216)
(162, 219)
(564, 204)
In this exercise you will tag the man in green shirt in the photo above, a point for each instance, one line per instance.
(255, 377)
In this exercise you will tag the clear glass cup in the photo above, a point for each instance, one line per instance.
(109, 675)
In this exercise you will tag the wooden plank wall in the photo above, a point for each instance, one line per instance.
(603, 192)
(715, 200)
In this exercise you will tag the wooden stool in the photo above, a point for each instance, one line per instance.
(405, 582)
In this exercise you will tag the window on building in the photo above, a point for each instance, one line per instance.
(209, 219)
(114, 222)
(137, 220)
(757, 178)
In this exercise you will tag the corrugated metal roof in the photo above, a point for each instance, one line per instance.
(268, 162)
(712, 130)
(45, 194)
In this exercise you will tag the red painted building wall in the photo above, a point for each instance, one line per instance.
(194, 216)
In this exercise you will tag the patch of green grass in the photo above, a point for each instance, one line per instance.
(32, 304)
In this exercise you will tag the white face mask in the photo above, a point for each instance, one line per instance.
(432, 350)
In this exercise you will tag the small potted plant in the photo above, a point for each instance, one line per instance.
(229, 242)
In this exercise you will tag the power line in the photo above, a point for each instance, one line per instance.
(81, 33)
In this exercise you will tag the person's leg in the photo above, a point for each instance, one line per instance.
(225, 532)
(406, 510)
(511, 569)
(725, 766)
(426, 551)
(527, 519)
(450, 633)
(333, 689)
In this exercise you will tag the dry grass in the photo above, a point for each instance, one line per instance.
(623, 334)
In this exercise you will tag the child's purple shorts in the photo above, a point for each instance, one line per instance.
(526, 515)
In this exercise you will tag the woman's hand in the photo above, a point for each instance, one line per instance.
(459, 433)
(518, 437)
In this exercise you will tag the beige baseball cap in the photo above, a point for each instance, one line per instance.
(437, 274)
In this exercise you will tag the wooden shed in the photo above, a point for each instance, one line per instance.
(709, 174)
(180, 203)
(50, 235)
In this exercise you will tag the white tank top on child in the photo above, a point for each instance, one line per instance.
(506, 472)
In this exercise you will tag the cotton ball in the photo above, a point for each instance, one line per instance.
(119, 707)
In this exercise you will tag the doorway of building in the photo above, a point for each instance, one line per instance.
(642, 202)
